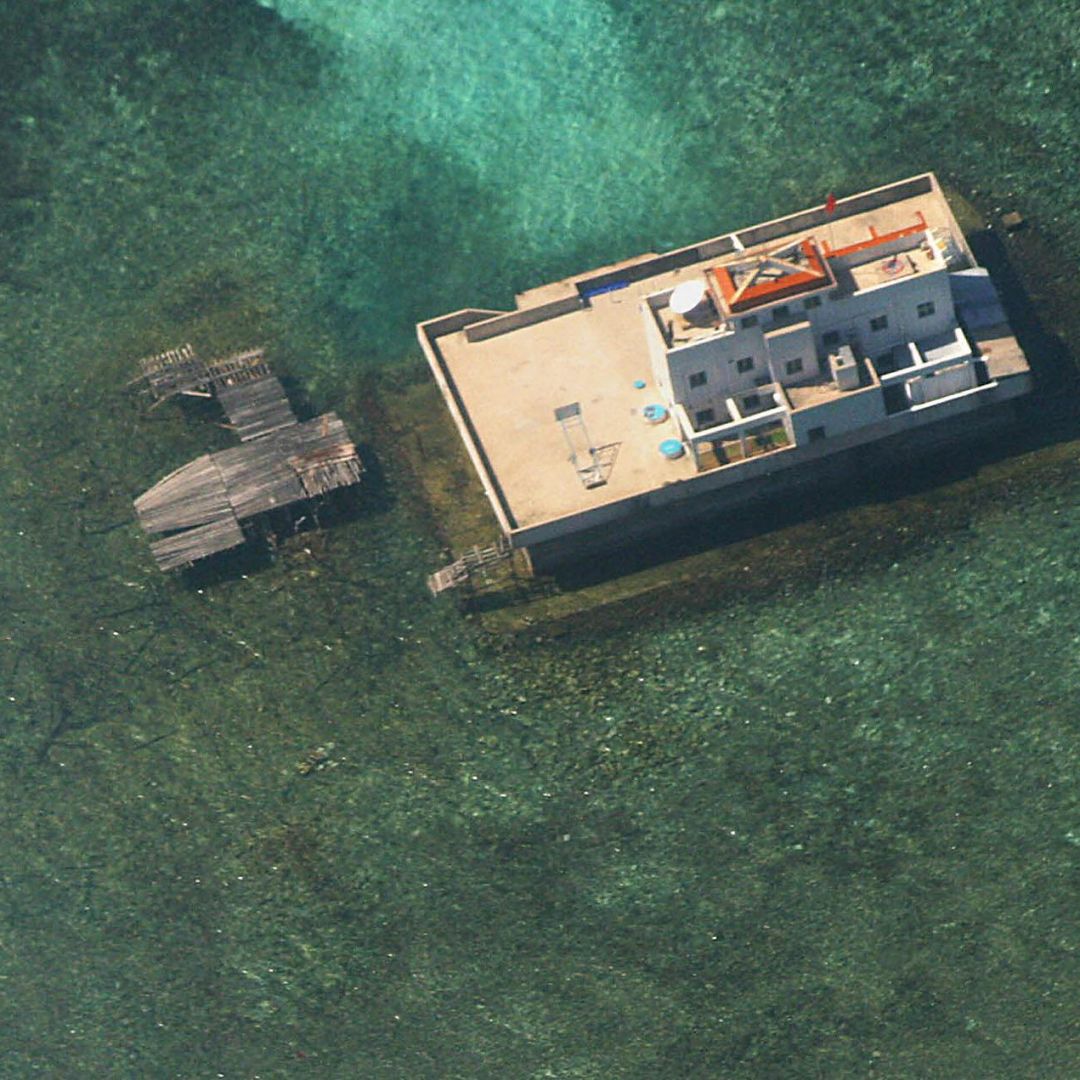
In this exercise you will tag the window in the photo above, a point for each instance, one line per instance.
(751, 401)
(750, 320)
(830, 338)
(704, 418)
(793, 367)
(762, 380)
(811, 302)
(699, 378)
(925, 308)
(816, 434)
(879, 322)
(780, 312)
(745, 364)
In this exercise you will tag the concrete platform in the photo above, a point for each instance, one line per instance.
(581, 341)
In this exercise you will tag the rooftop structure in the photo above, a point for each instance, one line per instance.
(636, 391)
(209, 504)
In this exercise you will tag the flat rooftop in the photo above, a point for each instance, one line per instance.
(507, 386)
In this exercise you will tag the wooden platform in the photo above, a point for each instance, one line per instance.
(183, 548)
(255, 408)
(201, 508)
(182, 371)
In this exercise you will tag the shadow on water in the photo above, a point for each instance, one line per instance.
(240, 562)
(311, 525)
(375, 495)
(1054, 367)
(299, 397)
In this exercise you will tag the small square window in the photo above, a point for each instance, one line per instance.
(925, 308)
(745, 364)
(815, 434)
(698, 378)
(750, 320)
(830, 338)
(879, 322)
(793, 367)
(780, 312)
(811, 302)
(762, 380)
(704, 418)
(751, 401)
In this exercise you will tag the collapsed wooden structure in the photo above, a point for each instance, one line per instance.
(211, 504)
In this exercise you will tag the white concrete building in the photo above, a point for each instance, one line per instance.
(746, 356)
(810, 340)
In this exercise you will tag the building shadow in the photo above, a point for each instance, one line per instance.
(877, 474)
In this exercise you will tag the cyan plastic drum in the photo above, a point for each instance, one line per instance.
(654, 414)
(672, 449)
(639, 384)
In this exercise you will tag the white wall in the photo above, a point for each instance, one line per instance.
(941, 383)
(657, 352)
(718, 358)
(898, 301)
(771, 348)
(852, 410)
(793, 343)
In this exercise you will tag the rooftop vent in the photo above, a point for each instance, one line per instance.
(845, 370)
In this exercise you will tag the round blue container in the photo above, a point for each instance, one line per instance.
(654, 414)
(639, 384)
(672, 449)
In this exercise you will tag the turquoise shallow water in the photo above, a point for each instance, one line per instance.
(830, 832)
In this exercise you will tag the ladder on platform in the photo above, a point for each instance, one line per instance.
(583, 454)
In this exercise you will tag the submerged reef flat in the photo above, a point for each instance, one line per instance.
(286, 815)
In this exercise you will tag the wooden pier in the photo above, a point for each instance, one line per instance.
(203, 507)
(476, 562)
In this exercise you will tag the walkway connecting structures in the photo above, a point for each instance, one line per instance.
(217, 501)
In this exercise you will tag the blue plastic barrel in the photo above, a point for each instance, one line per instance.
(672, 449)
(654, 414)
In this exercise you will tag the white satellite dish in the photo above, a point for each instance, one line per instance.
(687, 296)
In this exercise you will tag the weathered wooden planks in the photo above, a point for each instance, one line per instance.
(183, 548)
(192, 495)
(237, 368)
(257, 477)
(256, 408)
(280, 462)
(181, 371)
(173, 371)
(323, 455)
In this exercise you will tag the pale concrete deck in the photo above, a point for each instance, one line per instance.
(809, 394)
(1001, 350)
(512, 384)
(509, 385)
(913, 260)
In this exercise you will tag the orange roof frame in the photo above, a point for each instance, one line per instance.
(815, 274)
(875, 239)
